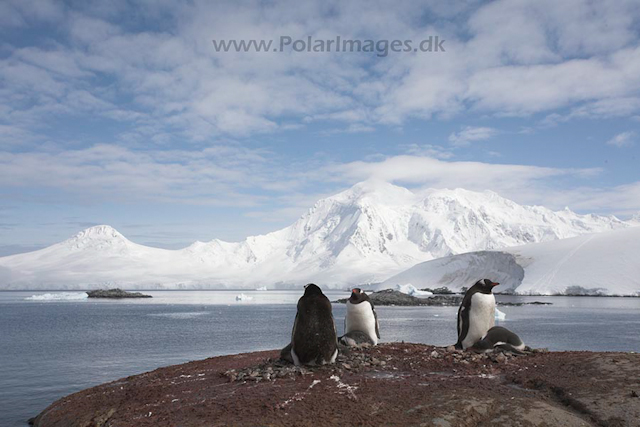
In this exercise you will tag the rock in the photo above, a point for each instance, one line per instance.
(115, 293)
(451, 349)
(393, 297)
(556, 388)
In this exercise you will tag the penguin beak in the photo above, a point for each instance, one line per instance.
(355, 290)
(494, 284)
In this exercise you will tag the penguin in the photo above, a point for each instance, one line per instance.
(355, 339)
(476, 314)
(361, 316)
(313, 338)
(502, 338)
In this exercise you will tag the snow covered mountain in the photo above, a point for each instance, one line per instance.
(604, 263)
(362, 235)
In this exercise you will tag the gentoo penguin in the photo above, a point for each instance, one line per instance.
(476, 314)
(361, 316)
(499, 337)
(313, 339)
(355, 339)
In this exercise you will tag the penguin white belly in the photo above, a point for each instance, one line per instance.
(481, 317)
(360, 317)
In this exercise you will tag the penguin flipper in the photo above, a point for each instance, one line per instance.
(463, 325)
(375, 316)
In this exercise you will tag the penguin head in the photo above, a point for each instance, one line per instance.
(312, 289)
(357, 296)
(485, 286)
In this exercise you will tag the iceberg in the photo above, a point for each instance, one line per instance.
(61, 296)
(500, 315)
(261, 288)
(243, 297)
(409, 289)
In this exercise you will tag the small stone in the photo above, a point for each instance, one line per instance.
(435, 354)
(451, 349)
(254, 374)
(382, 363)
(634, 393)
(501, 358)
(346, 366)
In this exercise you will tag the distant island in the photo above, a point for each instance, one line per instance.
(116, 293)
(449, 299)
(394, 297)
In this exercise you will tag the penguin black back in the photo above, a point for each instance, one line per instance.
(313, 339)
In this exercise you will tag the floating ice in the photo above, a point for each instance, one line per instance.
(243, 297)
(62, 296)
(500, 315)
(409, 289)
(261, 288)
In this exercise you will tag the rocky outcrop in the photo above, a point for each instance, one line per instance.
(115, 293)
(393, 297)
(390, 384)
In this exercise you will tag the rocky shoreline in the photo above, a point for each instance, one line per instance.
(390, 384)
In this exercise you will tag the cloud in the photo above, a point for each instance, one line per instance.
(218, 175)
(471, 134)
(624, 139)
(165, 82)
(531, 185)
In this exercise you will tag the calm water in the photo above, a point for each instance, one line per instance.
(50, 348)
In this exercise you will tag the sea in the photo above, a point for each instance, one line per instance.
(56, 343)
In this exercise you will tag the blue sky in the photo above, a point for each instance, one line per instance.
(124, 114)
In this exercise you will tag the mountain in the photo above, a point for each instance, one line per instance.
(362, 235)
(593, 264)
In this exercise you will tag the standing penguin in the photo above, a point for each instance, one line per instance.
(361, 317)
(313, 339)
(476, 314)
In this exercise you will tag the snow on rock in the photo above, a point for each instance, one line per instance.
(409, 289)
(362, 235)
(593, 264)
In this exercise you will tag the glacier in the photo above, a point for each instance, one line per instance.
(363, 235)
(594, 264)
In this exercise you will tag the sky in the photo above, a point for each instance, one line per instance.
(123, 113)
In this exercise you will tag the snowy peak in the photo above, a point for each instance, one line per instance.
(364, 234)
(99, 237)
(376, 192)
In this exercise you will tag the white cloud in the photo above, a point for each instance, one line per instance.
(502, 58)
(471, 134)
(624, 139)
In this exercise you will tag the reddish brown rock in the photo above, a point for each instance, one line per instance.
(391, 384)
